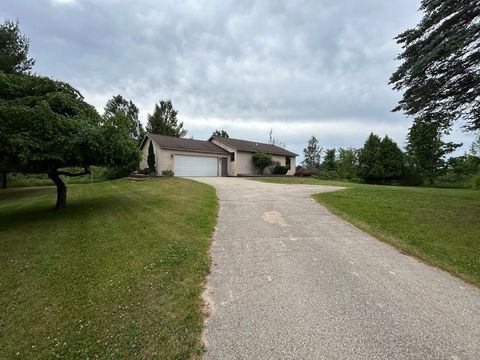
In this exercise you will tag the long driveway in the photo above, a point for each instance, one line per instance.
(290, 280)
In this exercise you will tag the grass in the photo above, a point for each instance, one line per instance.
(439, 226)
(118, 274)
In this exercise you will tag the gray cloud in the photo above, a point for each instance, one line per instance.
(302, 68)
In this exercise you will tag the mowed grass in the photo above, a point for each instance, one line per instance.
(118, 274)
(439, 226)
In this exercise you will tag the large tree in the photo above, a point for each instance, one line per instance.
(13, 60)
(122, 112)
(392, 160)
(370, 159)
(48, 127)
(14, 49)
(312, 153)
(164, 121)
(329, 160)
(440, 73)
(426, 150)
(347, 163)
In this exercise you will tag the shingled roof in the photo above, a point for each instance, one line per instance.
(252, 146)
(169, 142)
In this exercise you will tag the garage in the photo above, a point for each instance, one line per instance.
(188, 165)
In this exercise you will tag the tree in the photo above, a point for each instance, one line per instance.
(262, 160)
(164, 121)
(220, 133)
(439, 74)
(370, 160)
(312, 153)
(49, 127)
(13, 60)
(347, 163)
(14, 49)
(392, 160)
(151, 158)
(329, 163)
(124, 113)
(475, 147)
(426, 150)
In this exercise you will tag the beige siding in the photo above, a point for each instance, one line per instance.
(232, 170)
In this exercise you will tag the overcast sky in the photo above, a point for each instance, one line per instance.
(301, 68)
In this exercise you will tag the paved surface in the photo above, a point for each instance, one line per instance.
(292, 281)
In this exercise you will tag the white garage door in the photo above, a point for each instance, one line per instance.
(185, 165)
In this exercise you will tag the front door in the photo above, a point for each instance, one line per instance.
(224, 166)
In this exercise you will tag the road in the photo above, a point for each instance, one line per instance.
(290, 280)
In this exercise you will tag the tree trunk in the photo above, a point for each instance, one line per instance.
(4, 179)
(61, 190)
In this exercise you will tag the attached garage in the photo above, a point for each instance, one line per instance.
(185, 157)
(189, 165)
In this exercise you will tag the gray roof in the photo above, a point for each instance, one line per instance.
(170, 142)
(252, 146)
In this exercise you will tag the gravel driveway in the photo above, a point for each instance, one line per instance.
(292, 281)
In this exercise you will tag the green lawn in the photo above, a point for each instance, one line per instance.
(118, 274)
(439, 226)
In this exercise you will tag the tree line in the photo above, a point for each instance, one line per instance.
(381, 161)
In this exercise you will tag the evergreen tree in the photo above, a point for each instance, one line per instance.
(370, 160)
(14, 50)
(425, 148)
(121, 112)
(392, 160)
(151, 158)
(164, 121)
(312, 153)
(439, 75)
(329, 160)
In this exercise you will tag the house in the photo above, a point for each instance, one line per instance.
(215, 157)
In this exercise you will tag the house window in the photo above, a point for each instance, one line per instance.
(287, 161)
(232, 156)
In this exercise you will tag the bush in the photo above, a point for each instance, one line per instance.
(168, 173)
(475, 181)
(262, 160)
(326, 175)
(280, 170)
(411, 178)
(117, 172)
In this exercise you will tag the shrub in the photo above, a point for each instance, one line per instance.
(475, 181)
(262, 160)
(326, 175)
(151, 157)
(280, 170)
(168, 173)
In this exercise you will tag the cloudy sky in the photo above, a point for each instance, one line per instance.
(301, 68)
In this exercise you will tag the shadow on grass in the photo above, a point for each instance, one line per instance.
(44, 212)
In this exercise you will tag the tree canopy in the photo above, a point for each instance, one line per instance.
(380, 161)
(439, 74)
(14, 49)
(164, 121)
(45, 126)
(124, 113)
(220, 133)
(312, 153)
(426, 150)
